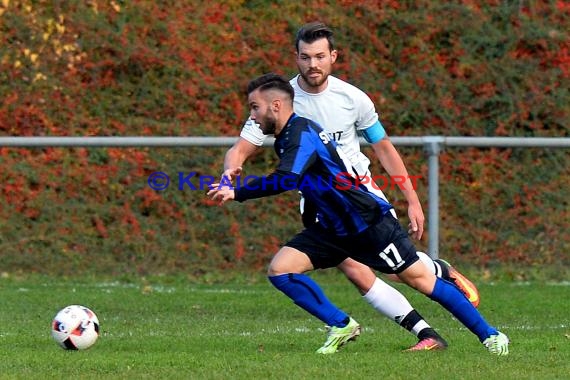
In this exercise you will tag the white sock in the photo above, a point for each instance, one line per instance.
(391, 303)
(433, 266)
(387, 300)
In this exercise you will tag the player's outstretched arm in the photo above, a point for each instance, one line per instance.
(392, 162)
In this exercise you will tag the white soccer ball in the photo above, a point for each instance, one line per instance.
(75, 328)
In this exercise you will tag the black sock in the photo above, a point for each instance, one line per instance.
(411, 320)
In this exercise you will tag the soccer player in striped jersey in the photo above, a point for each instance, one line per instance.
(344, 110)
(352, 222)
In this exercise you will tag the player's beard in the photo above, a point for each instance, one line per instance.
(314, 81)
(268, 123)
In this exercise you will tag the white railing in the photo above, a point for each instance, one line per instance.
(432, 146)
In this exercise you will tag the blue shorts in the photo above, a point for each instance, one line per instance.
(384, 246)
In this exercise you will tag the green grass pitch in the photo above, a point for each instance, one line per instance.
(168, 328)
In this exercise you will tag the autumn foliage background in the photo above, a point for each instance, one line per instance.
(179, 68)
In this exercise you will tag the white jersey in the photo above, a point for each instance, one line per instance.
(341, 109)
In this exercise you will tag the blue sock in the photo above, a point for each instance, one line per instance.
(309, 296)
(447, 295)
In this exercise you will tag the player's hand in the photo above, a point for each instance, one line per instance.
(221, 194)
(232, 173)
(417, 219)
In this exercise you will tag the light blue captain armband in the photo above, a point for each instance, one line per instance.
(374, 133)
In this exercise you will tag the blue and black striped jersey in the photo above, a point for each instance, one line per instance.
(313, 163)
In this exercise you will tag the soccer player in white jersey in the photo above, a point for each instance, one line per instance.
(336, 104)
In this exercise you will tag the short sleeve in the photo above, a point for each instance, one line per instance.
(252, 133)
(367, 115)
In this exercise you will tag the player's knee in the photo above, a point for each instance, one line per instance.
(279, 267)
(289, 260)
(273, 271)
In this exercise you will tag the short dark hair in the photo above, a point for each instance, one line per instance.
(271, 81)
(313, 31)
